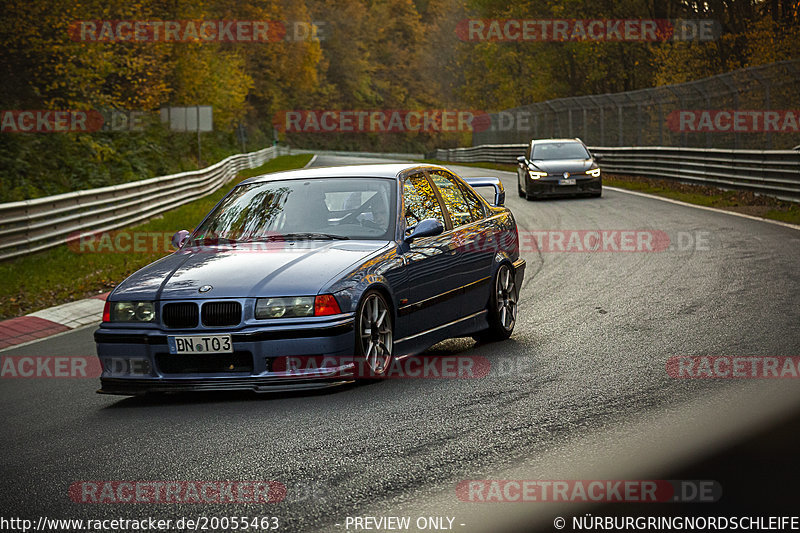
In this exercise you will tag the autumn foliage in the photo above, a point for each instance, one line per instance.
(334, 55)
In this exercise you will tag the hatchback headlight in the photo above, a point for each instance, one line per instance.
(290, 307)
(132, 312)
(535, 174)
(595, 172)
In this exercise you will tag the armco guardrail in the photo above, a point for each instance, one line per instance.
(371, 155)
(33, 225)
(773, 172)
(485, 153)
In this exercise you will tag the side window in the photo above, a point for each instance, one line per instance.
(528, 152)
(457, 206)
(420, 201)
(474, 203)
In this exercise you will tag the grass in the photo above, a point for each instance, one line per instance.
(737, 201)
(62, 274)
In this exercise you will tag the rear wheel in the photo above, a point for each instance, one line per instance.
(374, 341)
(502, 306)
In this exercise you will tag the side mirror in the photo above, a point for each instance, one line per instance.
(521, 160)
(179, 238)
(495, 183)
(426, 228)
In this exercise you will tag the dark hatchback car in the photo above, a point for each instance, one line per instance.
(558, 167)
(359, 265)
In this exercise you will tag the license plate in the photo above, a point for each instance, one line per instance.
(200, 344)
(568, 181)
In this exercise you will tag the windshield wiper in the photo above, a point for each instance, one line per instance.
(303, 236)
(314, 236)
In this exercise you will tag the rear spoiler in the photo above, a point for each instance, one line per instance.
(499, 192)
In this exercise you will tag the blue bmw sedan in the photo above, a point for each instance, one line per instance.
(362, 265)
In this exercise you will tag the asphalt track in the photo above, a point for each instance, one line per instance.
(579, 392)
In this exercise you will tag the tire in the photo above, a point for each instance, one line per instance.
(520, 191)
(502, 306)
(374, 340)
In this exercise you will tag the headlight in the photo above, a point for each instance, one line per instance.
(284, 307)
(132, 312)
(535, 174)
(595, 172)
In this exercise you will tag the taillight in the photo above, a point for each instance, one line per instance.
(325, 304)
(107, 312)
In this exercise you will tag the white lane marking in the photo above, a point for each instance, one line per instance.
(74, 314)
(705, 208)
(311, 161)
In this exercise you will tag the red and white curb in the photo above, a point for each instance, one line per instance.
(51, 321)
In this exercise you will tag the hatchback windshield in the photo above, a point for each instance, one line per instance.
(565, 150)
(321, 208)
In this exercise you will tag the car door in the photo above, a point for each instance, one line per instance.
(431, 262)
(471, 232)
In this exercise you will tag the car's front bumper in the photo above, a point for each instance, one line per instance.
(137, 361)
(549, 186)
(134, 387)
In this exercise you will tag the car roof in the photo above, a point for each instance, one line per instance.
(383, 170)
(556, 141)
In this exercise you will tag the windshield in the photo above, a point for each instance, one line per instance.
(321, 208)
(565, 150)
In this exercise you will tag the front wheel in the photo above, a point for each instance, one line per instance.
(502, 306)
(374, 342)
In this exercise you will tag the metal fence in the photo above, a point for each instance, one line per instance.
(399, 156)
(773, 173)
(651, 117)
(33, 225)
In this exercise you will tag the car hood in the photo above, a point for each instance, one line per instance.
(557, 166)
(246, 270)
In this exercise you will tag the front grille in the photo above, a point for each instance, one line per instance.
(222, 313)
(207, 363)
(180, 315)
